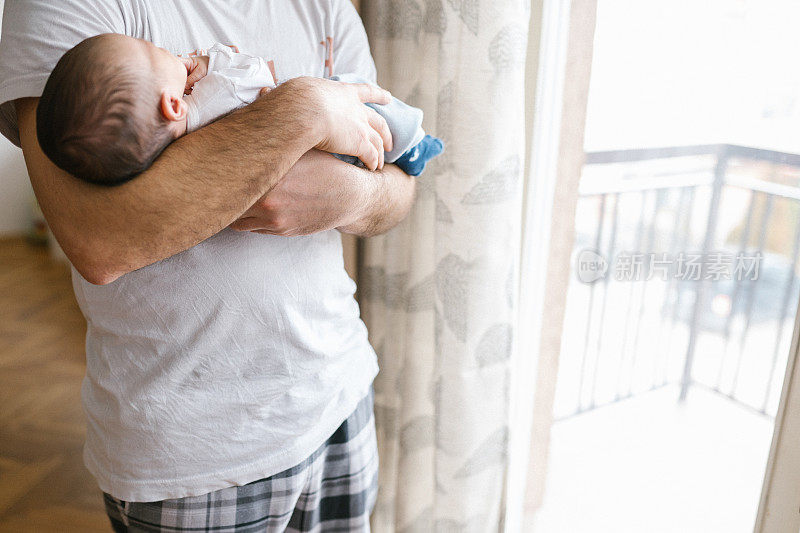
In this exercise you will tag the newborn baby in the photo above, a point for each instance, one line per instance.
(113, 103)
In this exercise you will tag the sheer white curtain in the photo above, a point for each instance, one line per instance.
(556, 120)
(440, 293)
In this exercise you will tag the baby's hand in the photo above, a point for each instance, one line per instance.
(196, 68)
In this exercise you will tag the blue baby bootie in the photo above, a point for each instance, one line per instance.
(413, 161)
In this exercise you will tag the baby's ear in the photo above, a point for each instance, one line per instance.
(173, 107)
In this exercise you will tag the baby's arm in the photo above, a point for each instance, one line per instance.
(247, 74)
(221, 82)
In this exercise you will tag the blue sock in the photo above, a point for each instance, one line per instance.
(413, 161)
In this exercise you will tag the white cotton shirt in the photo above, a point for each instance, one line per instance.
(235, 359)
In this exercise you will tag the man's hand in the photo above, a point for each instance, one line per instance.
(321, 193)
(344, 124)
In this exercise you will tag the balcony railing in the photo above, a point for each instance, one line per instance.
(630, 334)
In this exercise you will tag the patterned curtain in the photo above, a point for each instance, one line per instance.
(438, 293)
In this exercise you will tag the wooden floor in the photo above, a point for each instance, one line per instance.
(44, 486)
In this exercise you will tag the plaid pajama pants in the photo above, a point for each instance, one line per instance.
(333, 490)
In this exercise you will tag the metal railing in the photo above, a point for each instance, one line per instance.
(674, 331)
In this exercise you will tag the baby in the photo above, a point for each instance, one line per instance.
(113, 103)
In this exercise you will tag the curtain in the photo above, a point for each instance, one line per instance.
(439, 293)
(553, 213)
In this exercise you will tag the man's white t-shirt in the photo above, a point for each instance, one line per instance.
(235, 359)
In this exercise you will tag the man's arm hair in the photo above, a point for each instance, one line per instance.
(198, 186)
(202, 182)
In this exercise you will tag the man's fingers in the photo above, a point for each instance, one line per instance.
(370, 94)
(264, 90)
(378, 123)
(368, 154)
(377, 142)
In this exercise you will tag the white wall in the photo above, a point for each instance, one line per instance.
(16, 195)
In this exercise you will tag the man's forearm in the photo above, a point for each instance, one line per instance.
(198, 186)
(389, 194)
(321, 193)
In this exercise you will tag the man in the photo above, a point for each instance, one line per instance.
(228, 376)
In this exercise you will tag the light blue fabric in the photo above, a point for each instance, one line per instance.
(405, 121)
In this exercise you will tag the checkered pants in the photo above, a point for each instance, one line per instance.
(333, 490)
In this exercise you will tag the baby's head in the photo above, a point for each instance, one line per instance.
(110, 107)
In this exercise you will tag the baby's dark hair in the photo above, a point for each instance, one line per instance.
(99, 117)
